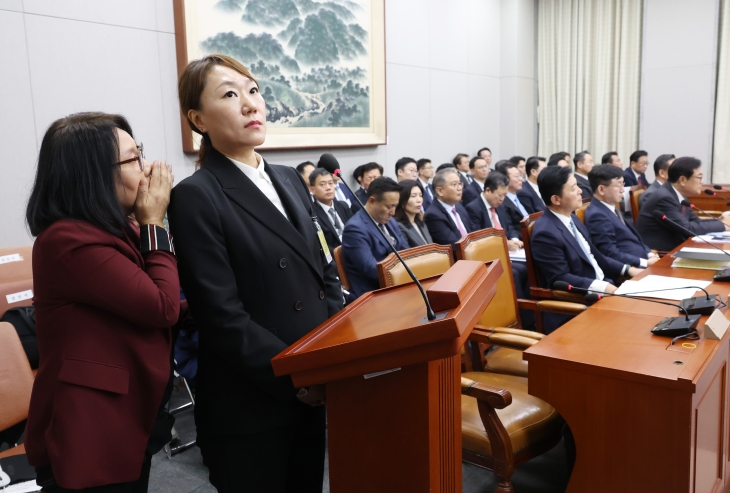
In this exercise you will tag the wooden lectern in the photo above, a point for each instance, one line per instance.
(393, 381)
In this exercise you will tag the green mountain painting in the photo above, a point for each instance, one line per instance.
(311, 58)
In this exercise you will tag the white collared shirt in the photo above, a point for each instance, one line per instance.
(598, 285)
(327, 213)
(425, 188)
(680, 197)
(614, 210)
(262, 180)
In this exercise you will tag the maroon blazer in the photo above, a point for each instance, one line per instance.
(103, 318)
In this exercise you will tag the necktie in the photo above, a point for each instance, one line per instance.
(620, 216)
(522, 209)
(495, 219)
(469, 179)
(335, 221)
(596, 268)
(457, 219)
(387, 234)
(428, 190)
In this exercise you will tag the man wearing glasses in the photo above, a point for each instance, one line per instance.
(685, 179)
(447, 220)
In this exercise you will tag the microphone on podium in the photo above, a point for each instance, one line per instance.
(330, 163)
(722, 275)
(670, 326)
(704, 305)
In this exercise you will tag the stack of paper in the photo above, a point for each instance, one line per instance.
(519, 255)
(660, 287)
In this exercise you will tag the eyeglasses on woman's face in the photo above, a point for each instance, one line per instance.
(139, 157)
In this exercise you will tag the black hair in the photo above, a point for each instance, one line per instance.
(504, 165)
(516, 159)
(496, 180)
(421, 163)
(444, 166)
(636, 155)
(558, 156)
(579, 157)
(360, 171)
(683, 166)
(484, 149)
(551, 182)
(457, 158)
(662, 162)
(382, 185)
(533, 163)
(608, 157)
(474, 160)
(316, 174)
(402, 163)
(405, 195)
(77, 174)
(301, 166)
(604, 174)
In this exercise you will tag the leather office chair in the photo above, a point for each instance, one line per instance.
(16, 270)
(500, 325)
(524, 426)
(634, 200)
(16, 382)
(340, 263)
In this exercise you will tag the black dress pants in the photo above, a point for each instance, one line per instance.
(289, 459)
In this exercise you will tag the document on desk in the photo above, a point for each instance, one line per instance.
(703, 254)
(652, 283)
(518, 256)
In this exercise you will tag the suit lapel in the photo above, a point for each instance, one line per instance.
(374, 231)
(570, 239)
(449, 221)
(324, 220)
(241, 190)
(485, 213)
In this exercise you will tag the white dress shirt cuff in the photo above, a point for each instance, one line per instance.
(643, 263)
(598, 286)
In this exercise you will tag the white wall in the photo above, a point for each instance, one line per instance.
(454, 83)
(678, 79)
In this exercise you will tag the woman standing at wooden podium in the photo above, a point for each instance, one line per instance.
(257, 279)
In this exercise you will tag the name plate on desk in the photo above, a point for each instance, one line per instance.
(451, 288)
(716, 325)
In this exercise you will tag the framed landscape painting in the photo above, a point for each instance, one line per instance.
(320, 64)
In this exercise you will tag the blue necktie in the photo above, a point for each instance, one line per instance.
(520, 207)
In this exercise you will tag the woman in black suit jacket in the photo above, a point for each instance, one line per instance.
(409, 214)
(256, 279)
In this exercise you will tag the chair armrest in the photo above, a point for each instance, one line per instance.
(494, 396)
(511, 330)
(507, 340)
(565, 307)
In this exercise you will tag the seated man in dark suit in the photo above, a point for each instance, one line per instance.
(362, 245)
(684, 179)
(530, 195)
(661, 174)
(479, 173)
(447, 219)
(487, 212)
(366, 173)
(610, 232)
(634, 174)
(515, 210)
(561, 244)
(583, 165)
(425, 173)
(332, 214)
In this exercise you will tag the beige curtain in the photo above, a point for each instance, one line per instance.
(721, 149)
(589, 66)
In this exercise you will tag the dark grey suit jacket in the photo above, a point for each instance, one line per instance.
(411, 235)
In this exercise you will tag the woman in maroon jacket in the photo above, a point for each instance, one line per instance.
(106, 297)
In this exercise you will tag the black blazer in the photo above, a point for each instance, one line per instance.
(442, 227)
(630, 178)
(584, 185)
(471, 192)
(330, 234)
(481, 219)
(530, 200)
(514, 215)
(428, 195)
(663, 235)
(408, 230)
(361, 194)
(255, 283)
(614, 238)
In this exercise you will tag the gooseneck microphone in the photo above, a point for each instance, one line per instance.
(722, 275)
(330, 163)
(710, 192)
(687, 203)
(694, 305)
(718, 187)
(670, 326)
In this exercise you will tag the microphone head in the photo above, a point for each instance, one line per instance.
(328, 162)
(710, 192)
(687, 203)
(728, 202)
(593, 297)
(718, 187)
(658, 215)
(561, 286)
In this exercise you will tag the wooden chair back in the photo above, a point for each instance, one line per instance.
(340, 263)
(16, 264)
(581, 211)
(634, 199)
(425, 261)
(533, 272)
(15, 293)
(487, 245)
(16, 378)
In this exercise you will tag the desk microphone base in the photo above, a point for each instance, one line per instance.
(676, 326)
(699, 305)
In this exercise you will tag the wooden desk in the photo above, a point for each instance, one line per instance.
(646, 416)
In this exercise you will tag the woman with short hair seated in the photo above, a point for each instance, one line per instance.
(409, 214)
